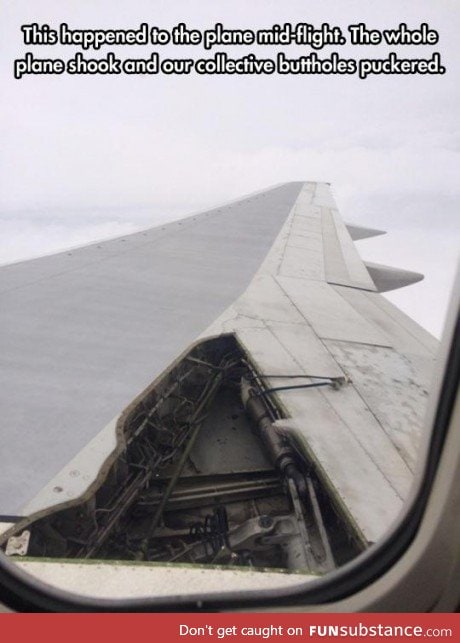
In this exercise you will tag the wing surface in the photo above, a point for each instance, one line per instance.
(85, 332)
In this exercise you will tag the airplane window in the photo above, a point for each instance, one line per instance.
(278, 446)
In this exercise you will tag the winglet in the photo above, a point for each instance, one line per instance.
(388, 278)
(358, 232)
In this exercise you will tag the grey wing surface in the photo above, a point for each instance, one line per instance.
(84, 332)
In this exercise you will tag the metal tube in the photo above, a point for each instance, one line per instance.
(329, 562)
(183, 459)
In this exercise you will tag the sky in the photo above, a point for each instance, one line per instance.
(85, 158)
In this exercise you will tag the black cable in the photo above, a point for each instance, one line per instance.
(293, 377)
(287, 388)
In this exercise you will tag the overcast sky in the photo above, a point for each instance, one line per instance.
(92, 157)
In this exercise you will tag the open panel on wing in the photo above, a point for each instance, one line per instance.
(282, 419)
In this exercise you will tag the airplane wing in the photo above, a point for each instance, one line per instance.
(83, 331)
(342, 372)
(314, 308)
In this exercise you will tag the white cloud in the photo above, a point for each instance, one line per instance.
(84, 158)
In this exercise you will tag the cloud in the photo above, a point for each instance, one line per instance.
(92, 157)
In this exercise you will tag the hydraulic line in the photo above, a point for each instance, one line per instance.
(292, 377)
(149, 415)
(275, 442)
(197, 422)
(300, 485)
(268, 391)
